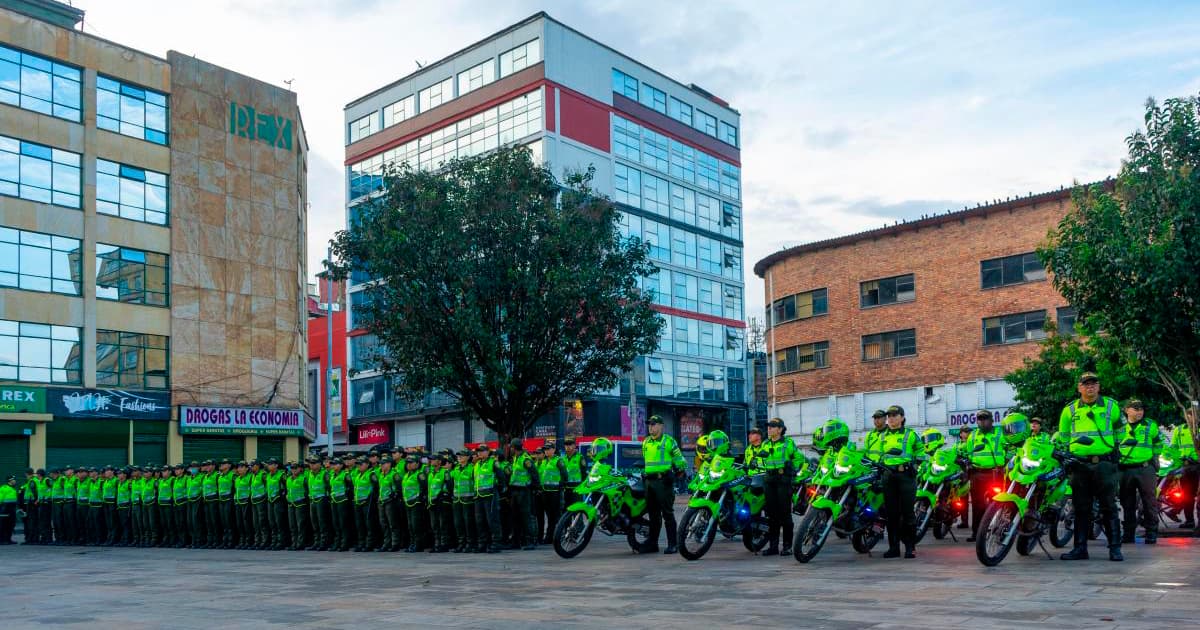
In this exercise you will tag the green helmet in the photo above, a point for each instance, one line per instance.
(933, 439)
(718, 443)
(1016, 428)
(602, 448)
(828, 435)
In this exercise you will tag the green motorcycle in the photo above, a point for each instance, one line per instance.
(730, 497)
(942, 494)
(1036, 503)
(804, 487)
(847, 499)
(610, 500)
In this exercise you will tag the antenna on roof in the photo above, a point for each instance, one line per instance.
(419, 64)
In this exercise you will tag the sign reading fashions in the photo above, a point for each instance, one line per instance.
(274, 130)
(108, 403)
(241, 421)
(17, 399)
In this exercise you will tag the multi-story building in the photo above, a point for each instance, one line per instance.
(152, 240)
(327, 351)
(928, 314)
(666, 152)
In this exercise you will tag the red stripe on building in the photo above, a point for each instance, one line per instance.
(549, 111)
(670, 310)
(585, 120)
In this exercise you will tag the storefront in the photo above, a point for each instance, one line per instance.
(237, 433)
(103, 427)
(23, 419)
(372, 433)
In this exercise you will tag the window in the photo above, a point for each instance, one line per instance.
(37, 172)
(658, 237)
(680, 111)
(731, 181)
(1000, 272)
(653, 98)
(728, 133)
(733, 262)
(359, 302)
(735, 343)
(1014, 328)
(1066, 320)
(628, 185)
(736, 380)
(520, 57)
(364, 127)
(39, 353)
(130, 110)
(889, 345)
(706, 123)
(364, 353)
(655, 150)
(800, 306)
(476, 77)
(683, 249)
(686, 297)
(627, 139)
(656, 195)
(125, 359)
(683, 162)
(709, 253)
(131, 275)
(372, 396)
(802, 358)
(711, 299)
(436, 94)
(887, 291)
(39, 262)
(625, 85)
(400, 111)
(38, 84)
(131, 193)
(733, 302)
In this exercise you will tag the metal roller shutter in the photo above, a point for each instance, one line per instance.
(87, 442)
(58, 457)
(269, 447)
(448, 433)
(196, 448)
(150, 443)
(14, 456)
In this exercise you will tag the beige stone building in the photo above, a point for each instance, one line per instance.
(152, 253)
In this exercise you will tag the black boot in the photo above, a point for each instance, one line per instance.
(1079, 551)
(1114, 547)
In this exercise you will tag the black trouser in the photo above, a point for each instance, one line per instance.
(298, 524)
(67, 534)
(183, 528)
(245, 518)
(8, 522)
(464, 523)
(56, 519)
(549, 507)
(318, 511)
(416, 516)
(1096, 482)
(83, 527)
(97, 522)
(45, 523)
(660, 500)
(487, 521)
(899, 495)
(441, 521)
(1188, 482)
(392, 528)
(212, 521)
(124, 526)
(135, 524)
(1140, 481)
(110, 523)
(364, 524)
(30, 523)
(343, 524)
(228, 522)
(277, 520)
(262, 523)
(195, 521)
(524, 526)
(983, 481)
(779, 510)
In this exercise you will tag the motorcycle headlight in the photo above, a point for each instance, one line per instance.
(1163, 462)
(1029, 464)
(593, 478)
(841, 470)
(938, 468)
(824, 470)
(712, 474)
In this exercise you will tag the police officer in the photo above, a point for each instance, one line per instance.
(26, 502)
(45, 533)
(664, 462)
(413, 488)
(1184, 443)
(440, 488)
(179, 507)
(522, 485)
(242, 506)
(575, 467)
(1091, 425)
(259, 519)
(873, 441)
(985, 451)
(225, 497)
(462, 481)
(902, 453)
(341, 518)
(83, 495)
(124, 520)
(318, 504)
(489, 481)
(1141, 443)
(9, 499)
(297, 501)
(388, 479)
(551, 473)
(277, 507)
(66, 535)
(778, 459)
(194, 484)
(109, 509)
(754, 439)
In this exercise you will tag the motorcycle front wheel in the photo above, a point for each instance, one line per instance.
(695, 533)
(1062, 528)
(754, 537)
(923, 514)
(997, 531)
(638, 534)
(811, 534)
(941, 529)
(864, 540)
(572, 534)
(1026, 545)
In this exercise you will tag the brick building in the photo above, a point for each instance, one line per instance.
(928, 314)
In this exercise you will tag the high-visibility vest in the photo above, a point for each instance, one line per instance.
(364, 486)
(166, 488)
(549, 474)
(225, 485)
(436, 484)
(258, 486)
(297, 490)
(464, 483)
(179, 487)
(1146, 434)
(124, 492)
(520, 471)
(387, 484)
(411, 485)
(661, 454)
(316, 485)
(485, 477)
(777, 454)
(241, 489)
(992, 454)
(274, 486)
(907, 441)
(1098, 421)
(338, 492)
(574, 465)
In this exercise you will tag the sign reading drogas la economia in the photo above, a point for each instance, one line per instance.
(240, 421)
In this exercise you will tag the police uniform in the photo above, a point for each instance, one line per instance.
(489, 480)
(902, 454)
(279, 534)
(664, 461)
(575, 469)
(1183, 443)
(778, 459)
(413, 490)
(394, 534)
(297, 501)
(318, 506)
(439, 490)
(341, 497)
(985, 451)
(9, 500)
(1140, 444)
(244, 512)
(1096, 477)
(550, 474)
(462, 483)
(259, 507)
(522, 485)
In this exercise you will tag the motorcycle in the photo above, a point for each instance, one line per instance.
(1035, 504)
(1171, 469)
(804, 489)
(612, 501)
(848, 499)
(942, 494)
(729, 498)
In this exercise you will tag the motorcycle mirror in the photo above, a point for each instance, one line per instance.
(1084, 440)
(979, 448)
(895, 451)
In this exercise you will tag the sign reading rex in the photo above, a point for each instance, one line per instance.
(245, 122)
(15, 399)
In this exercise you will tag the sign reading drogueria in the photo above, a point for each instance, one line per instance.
(240, 421)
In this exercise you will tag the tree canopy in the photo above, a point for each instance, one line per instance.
(499, 285)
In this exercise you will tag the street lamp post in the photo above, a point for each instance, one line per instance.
(329, 354)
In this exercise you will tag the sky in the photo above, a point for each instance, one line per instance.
(854, 114)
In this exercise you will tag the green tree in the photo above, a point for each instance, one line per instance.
(499, 286)
(1045, 383)
(1128, 258)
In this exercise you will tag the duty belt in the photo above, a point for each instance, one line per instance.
(652, 476)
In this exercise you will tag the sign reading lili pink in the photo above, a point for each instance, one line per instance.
(241, 421)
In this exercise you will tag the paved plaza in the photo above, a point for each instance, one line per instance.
(606, 586)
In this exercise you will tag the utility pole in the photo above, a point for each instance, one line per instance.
(329, 355)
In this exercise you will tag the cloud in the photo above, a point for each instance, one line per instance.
(830, 138)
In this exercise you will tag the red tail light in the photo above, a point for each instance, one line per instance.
(1177, 494)
(996, 490)
(812, 491)
(958, 504)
